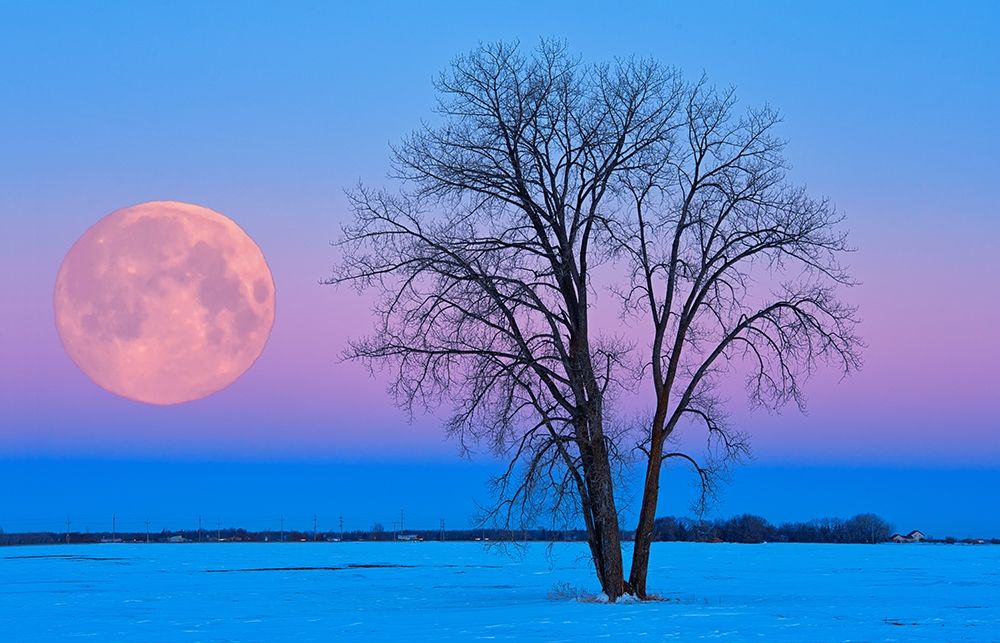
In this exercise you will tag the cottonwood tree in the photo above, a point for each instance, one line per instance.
(538, 168)
(483, 263)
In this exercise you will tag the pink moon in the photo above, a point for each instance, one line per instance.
(164, 302)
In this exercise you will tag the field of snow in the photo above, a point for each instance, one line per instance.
(460, 591)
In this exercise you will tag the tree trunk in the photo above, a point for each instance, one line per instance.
(647, 516)
(604, 536)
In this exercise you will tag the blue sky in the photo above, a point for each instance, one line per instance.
(267, 111)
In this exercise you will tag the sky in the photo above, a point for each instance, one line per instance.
(267, 112)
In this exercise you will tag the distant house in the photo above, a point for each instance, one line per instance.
(411, 537)
(914, 536)
(177, 539)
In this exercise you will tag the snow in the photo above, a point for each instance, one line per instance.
(462, 591)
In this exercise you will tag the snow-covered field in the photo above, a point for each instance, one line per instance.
(459, 591)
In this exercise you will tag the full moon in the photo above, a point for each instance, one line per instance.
(164, 302)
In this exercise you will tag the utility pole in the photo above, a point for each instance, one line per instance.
(441, 534)
(341, 528)
(68, 523)
(314, 527)
(218, 531)
(282, 539)
(147, 532)
(114, 527)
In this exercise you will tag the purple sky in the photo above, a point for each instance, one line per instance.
(266, 117)
(894, 119)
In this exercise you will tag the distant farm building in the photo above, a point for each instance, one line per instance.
(177, 539)
(410, 537)
(914, 536)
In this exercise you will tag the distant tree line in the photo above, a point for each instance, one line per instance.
(744, 528)
(748, 528)
(376, 533)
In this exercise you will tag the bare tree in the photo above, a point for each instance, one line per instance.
(867, 528)
(735, 269)
(537, 170)
(484, 266)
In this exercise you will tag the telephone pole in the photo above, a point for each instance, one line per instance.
(341, 528)
(218, 531)
(68, 523)
(147, 532)
(199, 528)
(314, 527)
(441, 533)
(114, 527)
(282, 539)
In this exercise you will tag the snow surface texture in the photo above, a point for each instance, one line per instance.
(460, 591)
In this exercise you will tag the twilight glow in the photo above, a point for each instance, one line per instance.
(269, 116)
